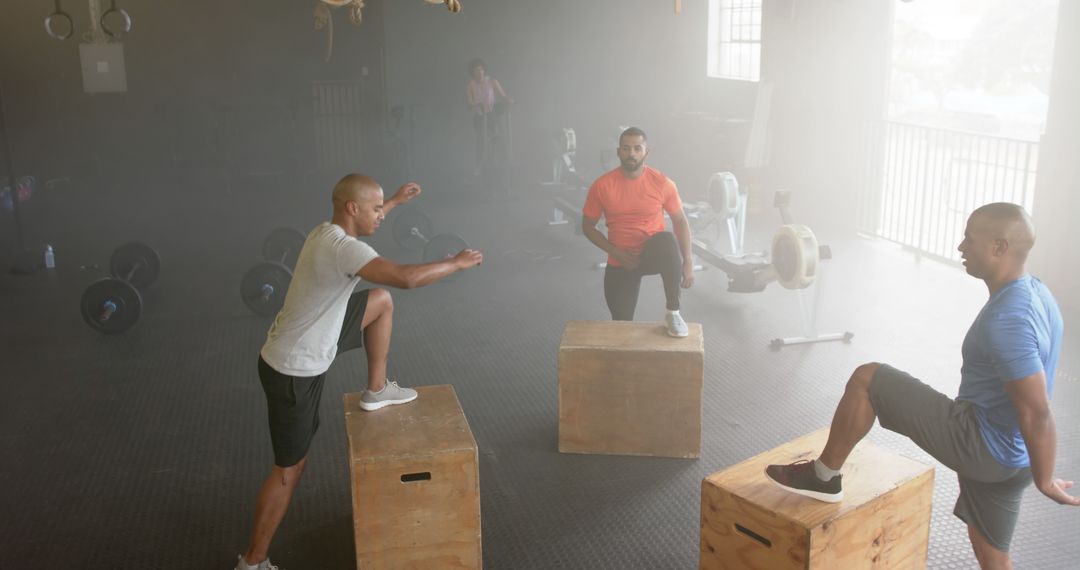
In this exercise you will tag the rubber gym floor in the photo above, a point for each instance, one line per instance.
(145, 450)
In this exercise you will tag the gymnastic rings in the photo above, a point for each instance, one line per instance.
(51, 19)
(125, 17)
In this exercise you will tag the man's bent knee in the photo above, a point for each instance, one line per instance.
(664, 237)
(863, 375)
(381, 299)
(379, 303)
(380, 307)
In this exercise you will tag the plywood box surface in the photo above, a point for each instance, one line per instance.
(883, 521)
(415, 483)
(627, 388)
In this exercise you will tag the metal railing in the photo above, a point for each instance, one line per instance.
(921, 183)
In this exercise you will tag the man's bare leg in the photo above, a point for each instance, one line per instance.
(274, 497)
(989, 557)
(853, 418)
(378, 325)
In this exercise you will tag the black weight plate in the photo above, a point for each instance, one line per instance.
(128, 305)
(444, 246)
(283, 246)
(139, 256)
(264, 286)
(411, 229)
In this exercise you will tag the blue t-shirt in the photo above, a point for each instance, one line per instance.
(1017, 333)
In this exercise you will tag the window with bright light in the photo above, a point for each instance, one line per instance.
(973, 65)
(734, 39)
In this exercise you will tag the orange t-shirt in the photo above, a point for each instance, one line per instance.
(633, 209)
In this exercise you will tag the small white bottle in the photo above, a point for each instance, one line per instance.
(50, 261)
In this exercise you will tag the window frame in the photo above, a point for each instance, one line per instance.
(734, 40)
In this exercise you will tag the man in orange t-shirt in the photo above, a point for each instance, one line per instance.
(633, 199)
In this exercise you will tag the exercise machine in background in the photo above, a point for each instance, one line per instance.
(795, 259)
(564, 174)
(723, 208)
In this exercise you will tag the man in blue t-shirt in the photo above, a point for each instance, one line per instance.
(998, 434)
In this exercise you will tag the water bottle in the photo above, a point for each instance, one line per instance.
(50, 261)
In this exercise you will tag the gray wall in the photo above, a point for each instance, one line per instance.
(828, 62)
(211, 85)
(1057, 198)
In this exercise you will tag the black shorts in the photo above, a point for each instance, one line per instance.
(292, 402)
(947, 429)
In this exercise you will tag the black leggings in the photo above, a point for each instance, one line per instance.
(621, 286)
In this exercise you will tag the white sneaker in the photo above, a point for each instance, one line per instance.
(264, 565)
(676, 326)
(390, 395)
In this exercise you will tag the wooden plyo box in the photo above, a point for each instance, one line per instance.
(883, 521)
(627, 388)
(415, 483)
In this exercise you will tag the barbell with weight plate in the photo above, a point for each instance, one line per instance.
(283, 245)
(113, 304)
(263, 287)
(410, 230)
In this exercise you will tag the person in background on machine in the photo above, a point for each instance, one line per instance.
(488, 103)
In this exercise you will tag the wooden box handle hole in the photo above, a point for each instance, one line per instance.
(753, 535)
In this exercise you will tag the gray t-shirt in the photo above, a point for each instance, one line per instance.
(303, 339)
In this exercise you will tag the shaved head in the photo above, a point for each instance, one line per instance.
(354, 188)
(1009, 222)
(358, 205)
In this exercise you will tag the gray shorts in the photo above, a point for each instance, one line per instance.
(947, 429)
(292, 402)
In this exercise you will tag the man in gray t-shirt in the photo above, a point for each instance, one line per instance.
(321, 317)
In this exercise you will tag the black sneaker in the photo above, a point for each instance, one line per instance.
(799, 477)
